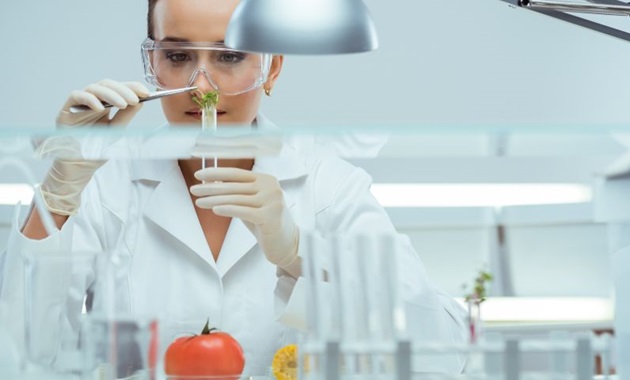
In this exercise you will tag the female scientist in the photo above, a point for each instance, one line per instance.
(220, 242)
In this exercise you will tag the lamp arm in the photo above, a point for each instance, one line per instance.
(558, 9)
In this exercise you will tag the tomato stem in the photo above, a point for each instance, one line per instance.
(206, 329)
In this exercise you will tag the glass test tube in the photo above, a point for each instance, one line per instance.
(209, 122)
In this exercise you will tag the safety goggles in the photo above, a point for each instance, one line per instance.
(169, 65)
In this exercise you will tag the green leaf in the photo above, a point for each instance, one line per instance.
(479, 287)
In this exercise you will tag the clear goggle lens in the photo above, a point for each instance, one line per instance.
(170, 65)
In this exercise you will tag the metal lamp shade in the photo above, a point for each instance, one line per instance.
(309, 27)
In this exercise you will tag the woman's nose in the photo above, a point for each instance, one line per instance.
(202, 80)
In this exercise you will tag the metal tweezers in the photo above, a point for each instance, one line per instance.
(152, 96)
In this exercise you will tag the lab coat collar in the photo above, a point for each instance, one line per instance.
(168, 200)
(288, 165)
(152, 170)
(171, 208)
(239, 240)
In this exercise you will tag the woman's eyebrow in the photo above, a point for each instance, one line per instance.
(174, 39)
(179, 39)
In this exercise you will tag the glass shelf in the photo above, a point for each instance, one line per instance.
(417, 169)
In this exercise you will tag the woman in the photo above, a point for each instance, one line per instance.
(228, 248)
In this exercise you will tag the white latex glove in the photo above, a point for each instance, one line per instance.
(258, 201)
(67, 178)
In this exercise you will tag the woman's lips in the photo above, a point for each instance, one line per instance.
(196, 113)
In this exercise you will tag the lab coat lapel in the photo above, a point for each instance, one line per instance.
(239, 240)
(176, 214)
(172, 209)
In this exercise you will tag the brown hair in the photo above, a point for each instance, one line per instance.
(150, 18)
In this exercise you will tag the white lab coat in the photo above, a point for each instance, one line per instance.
(142, 210)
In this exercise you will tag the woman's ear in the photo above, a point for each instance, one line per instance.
(274, 71)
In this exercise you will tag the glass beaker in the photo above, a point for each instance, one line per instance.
(364, 279)
(319, 308)
(120, 348)
(355, 312)
(118, 343)
(55, 285)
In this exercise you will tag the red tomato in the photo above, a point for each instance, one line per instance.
(213, 353)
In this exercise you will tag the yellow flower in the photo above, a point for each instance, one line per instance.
(285, 363)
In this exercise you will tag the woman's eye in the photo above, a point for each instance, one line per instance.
(231, 57)
(177, 57)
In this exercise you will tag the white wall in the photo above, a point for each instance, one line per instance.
(457, 60)
(548, 250)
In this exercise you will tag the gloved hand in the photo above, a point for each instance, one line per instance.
(258, 201)
(66, 179)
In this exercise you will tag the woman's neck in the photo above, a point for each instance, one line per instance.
(190, 166)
